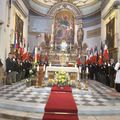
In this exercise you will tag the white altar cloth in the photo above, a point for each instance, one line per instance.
(59, 68)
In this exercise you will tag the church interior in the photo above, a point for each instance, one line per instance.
(59, 59)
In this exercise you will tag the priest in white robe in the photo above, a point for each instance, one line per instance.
(117, 78)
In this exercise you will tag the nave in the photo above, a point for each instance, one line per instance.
(17, 101)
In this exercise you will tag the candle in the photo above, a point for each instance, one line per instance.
(80, 69)
(37, 68)
(75, 65)
(87, 70)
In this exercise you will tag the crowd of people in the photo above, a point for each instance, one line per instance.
(106, 73)
(16, 69)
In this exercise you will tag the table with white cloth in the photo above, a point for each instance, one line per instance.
(61, 68)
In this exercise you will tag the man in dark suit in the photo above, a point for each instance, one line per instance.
(9, 68)
(112, 73)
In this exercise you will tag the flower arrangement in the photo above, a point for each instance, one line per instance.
(62, 78)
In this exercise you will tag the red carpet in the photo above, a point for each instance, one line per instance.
(61, 89)
(61, 102)
(48, 116)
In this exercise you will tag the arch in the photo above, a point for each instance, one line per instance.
(65, 5)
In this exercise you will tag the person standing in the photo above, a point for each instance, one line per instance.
(1, 72)
(112, 73)
(9, 68)
(14, 68)
(117, 78)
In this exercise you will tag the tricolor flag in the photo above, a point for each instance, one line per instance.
(105, 53)
(16, 40)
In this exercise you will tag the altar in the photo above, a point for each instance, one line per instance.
(61, 68)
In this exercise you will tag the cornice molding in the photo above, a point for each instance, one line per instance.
(92, 14)
(114, 6)
(26, 3)
(37, 13)
(19, 7)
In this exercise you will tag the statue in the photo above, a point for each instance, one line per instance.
(80, 35)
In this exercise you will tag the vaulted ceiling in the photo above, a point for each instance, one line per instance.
(42, 7)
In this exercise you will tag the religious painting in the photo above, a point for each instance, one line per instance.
(64, 27)
(110, 39)
(110, 34)
(18, 32)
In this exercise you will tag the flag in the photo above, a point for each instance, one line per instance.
(46, 57)
(91, 57)
(20, 45)
(105, 53)
(101, 50)
(16, 40)
(78, 60)
(33, 53)
(24, 43)
(100, 56)
(21, 49)
(95, 54)
(36, 53)
(100, 60)
(24, 56)
(87, 59)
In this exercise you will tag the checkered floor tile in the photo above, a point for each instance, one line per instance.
(97, 94)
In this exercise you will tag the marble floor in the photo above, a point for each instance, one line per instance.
(19, 102)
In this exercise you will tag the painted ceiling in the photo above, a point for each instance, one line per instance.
(42, 7)
(78, 3)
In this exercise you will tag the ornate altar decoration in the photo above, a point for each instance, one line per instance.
(65, 34)
(63, 59)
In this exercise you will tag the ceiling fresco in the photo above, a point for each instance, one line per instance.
(78, 3)
(43, 7)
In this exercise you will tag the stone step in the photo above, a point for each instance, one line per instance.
(6, 114)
